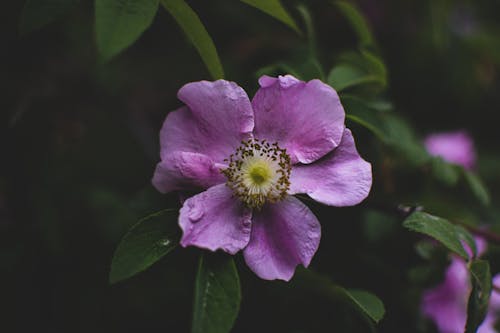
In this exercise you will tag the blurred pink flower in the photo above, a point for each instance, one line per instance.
(454, 147)
(446, 304)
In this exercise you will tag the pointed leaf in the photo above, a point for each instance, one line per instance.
(146, 242)
(363, 113)
(366, 124)
(367, 303)
(479, 296)
(119, 23)
(276, 10)
(444, 171)
(477, 187)
(371, 305)
(217, 294)
(362, 70)
(437, 228)
(310, 31)
(38, 13)
(467, 237)
(195, 31)
(357, 21)
(345, 76)
(401, 137)
(375, 65)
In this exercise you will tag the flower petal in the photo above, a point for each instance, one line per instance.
(342, 178)
(492, 317)
(454, 147)
(284, 235)
(446, 304)
(214, 220)
(186, 170)
(495, 294)
(489, 323)
(305, 118)
(217, 118)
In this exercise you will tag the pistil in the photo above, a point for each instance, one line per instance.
(258, 172)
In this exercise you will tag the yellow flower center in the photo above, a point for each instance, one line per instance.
(258, 172)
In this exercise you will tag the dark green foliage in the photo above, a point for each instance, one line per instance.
(38, 13)
(217, 294)
(479, 296)
(365, 302)
(195, 31)
(119, 23)
(358, 22)
(477, 187)
(80, 143)
(439, 229)
(146, 242)
(275, 9)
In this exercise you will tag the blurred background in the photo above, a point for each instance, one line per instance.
(79, 143)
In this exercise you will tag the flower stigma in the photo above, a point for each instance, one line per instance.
(258, 172)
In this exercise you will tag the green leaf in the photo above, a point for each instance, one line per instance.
(366, 124)
(444, 171)
(389, 128)
(467, 237)
(400, 136)
(364, 113)
(276, 10)
(367, 105)
(310, 31)
(217, 294)
(375, 65)
(359, 70)
(345, 76)
(195, 31)
(477, 187)
(357, 21)
(369, 304)
(119, 23)
(437, 228)
(145, 243)
(38, 13)
(479, 296)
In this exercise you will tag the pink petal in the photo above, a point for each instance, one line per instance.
(495, 294)
(223, 112)
(446, 304)
(184, 170)
(488, 325)
(284, 235)
(454, 147)
(214, 220)
(493, 315)
(305, 118)
(217, 118)
(342, 178)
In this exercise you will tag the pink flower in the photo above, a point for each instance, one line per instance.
(250, 158)
(454, 147)
(446, 304)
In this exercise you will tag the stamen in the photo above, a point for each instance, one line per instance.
(258, 172)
